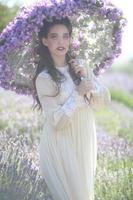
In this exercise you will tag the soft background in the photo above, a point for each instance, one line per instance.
(20, 128)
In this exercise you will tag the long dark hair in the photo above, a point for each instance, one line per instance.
(45, 60)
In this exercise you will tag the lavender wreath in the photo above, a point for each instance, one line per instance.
(97, 25)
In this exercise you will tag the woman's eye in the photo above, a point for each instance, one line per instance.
(53, 36)
(56, 37)
(66, 36)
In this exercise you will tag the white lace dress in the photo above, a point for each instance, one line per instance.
(68, 144)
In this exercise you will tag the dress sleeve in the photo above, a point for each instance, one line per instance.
(100, 95)
(59, 115)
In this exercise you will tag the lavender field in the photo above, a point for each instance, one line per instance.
(20, 128)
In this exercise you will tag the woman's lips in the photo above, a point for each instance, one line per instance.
(60, 48)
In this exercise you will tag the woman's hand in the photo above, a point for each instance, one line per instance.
(85, 86)
(78, 66)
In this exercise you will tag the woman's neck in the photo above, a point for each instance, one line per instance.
(60, 62)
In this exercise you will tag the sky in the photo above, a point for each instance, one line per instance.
(126, 6)
(127, 48)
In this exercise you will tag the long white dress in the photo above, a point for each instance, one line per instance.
(68, 143)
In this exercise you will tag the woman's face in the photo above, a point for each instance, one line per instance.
(58, 40)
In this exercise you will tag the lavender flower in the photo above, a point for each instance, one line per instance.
(19, 175)
(114, 147)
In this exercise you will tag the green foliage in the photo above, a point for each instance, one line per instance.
(126, 130)
(118, 120)
(6, 15)
(109, 120)
(123, 97)
(114, 180)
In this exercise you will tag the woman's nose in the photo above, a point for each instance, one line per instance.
(61, 41)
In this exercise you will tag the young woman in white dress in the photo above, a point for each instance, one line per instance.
(68, 145)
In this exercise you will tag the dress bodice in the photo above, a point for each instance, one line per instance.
(59, 108)
(67, 87)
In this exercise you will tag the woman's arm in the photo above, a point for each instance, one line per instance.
(99, 95)
(59, 115)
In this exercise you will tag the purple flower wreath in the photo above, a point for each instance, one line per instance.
(98, 28)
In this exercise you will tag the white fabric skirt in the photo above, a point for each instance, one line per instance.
(68, 157)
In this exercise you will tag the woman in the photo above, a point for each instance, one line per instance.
(66, 95)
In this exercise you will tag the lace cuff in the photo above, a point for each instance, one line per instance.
(97, 87)
(99, 96)
(70, 105)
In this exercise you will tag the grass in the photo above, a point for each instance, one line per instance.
(126, 131)
(108, 120)
(122, 97)
(117, 120)
(114, 180)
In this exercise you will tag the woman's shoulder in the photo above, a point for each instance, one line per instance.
(44, 78)
(45, 83)
(44, 74)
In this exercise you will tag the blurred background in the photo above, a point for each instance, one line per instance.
(20, 128)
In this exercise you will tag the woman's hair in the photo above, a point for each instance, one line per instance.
(45, 60)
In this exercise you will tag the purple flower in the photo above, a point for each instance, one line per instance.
(113, 14)
(103, 11)
(19, 172)
(75, 45)
(93, 1)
